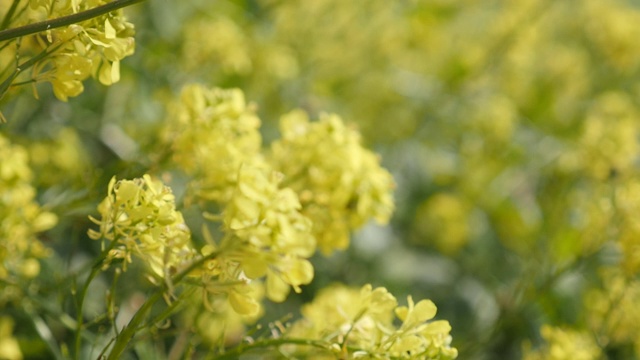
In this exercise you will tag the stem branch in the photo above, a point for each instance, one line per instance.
(65, 20)
(124, 338)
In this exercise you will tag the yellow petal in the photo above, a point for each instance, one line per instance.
(243, 304)
(109, 31)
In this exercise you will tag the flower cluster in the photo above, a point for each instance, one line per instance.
(138, 218)
(341, 184)
(609, 139)
(612, 29)
(212, 132)
(627, 202)
(360, 324)
(21, 217)
(564, 344)
(60, 160)
(229, 52)
(264, 236)
(612, 310)
(267, 234)
(217, 320)
(92, 48)
(316, 181)
(443, 220)
(9, 347)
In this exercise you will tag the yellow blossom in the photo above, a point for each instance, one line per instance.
(21, 216)
(564, 344)
(140, 217)
(359, 324)
(212, 132)
(266, 234)
(9, 347)
(341, 184)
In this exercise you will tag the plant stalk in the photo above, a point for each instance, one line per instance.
(65, 20)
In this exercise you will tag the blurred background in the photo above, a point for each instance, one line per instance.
(511, 129)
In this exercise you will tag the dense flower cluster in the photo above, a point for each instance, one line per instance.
(341, 184)
(212, 132)
(92, 48)
(267, 234)
(21, 217)
(264, 236)
(138, 218)
(612, 310)
(564, 344)
(609, 139)
(230, 51)
(216, 320)
(359, 324)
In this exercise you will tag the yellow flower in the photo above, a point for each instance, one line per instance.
(359, 324)
(613, 309)
(266, 234)
(444, 220)
(90, 48)
(9, 347)
(212, 133)
(564, 344)
(214, 319)
(341, 184)
(21, 218)
(140, 217)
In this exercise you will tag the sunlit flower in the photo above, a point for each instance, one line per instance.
(359, 324)
(341, 184)
(138, 218)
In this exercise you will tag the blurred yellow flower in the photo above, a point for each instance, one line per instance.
(340, 183)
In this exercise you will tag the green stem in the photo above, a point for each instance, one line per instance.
(127, 333)
(172, 307)
(30, 81)
(22, 67)
(9, 15)
(237, 351)
(65, 20)
(95, 269)
(79, 325)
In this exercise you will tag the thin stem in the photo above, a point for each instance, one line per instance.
(353, 324)
(9, 15)
(95, 269)
(235, 352)
(111, 306)
(79, 325)
(30, 81)
(24, 66)
(172, 307)
(65, 20)
(127, 333)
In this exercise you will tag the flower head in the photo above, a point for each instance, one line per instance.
(341, 184)
(266, 233)
(360, 323)
(213, 132)
(21, 217)
(138, 218)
